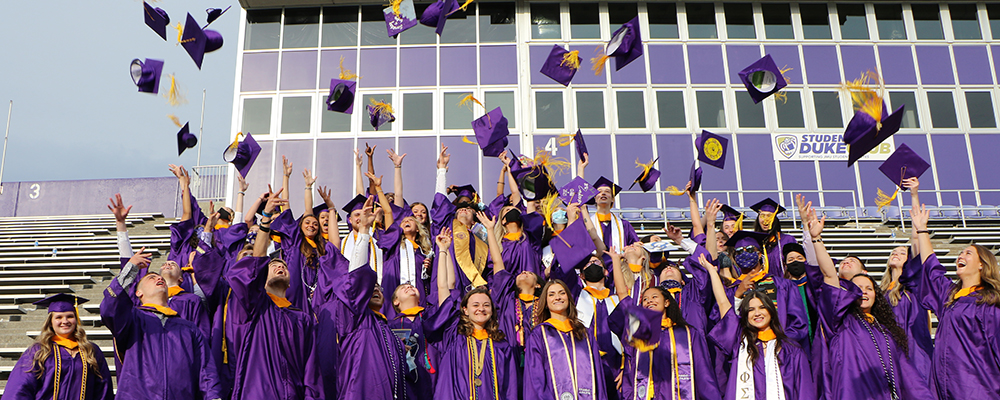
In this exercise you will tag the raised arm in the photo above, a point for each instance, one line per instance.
(582, 165)
(370, 151)
(184, 180)
(616, 268)
(285, 178)
(919, 216)
(574, 211)
(334, 227)
(359, 177)
(826, 265)
(274, 201)
(696, 226)
(711, 211)
(251, 213)
(240, 196)
(494, 245)
(397, 184)
(500, 183)
(376, 186)
(307, 195)
(446, 271)
(441, 179)
(717, 287)
(121, 214)
(506, 173)
(914, 185)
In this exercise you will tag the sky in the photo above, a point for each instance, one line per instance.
(78, 115)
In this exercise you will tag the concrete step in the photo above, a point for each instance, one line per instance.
(92, 334)
(59, 272)
(35, 289)
(20, 298)
(12, 309)
(30, 280)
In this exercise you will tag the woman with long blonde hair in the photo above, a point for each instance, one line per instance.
(62, 364)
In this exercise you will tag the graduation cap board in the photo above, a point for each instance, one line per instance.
(577, 191)
(356, 203)
(712, 149)
(146, 75)
(625, 46)
(561, 65)
(436, 14)
(399, 16)
(242, 154)
(185, 139)
(903, 164)
(490, 129)
(573, 246)
(647, 179)
(661, 246)
(156, 19)
(214, 14)
(341, 97)
(577, 140)
(380, 113)
(694, 178)
(61, 302)
(864, 134)
(762, 79)
(197, 41)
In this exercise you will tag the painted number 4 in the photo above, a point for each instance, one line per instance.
(552, 146)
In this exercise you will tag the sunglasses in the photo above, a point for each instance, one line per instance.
(750, 248)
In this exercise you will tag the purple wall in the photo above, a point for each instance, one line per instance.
(897, 65)
(755, 166)
(678, 149)
(799, 175)
(146, 195)
(821, 64)
(987, 164)
(953, 168)
(632, 148)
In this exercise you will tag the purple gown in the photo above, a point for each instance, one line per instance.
(209, 268)
(303, 278)
(190, 307)
(230, 241)
(391, 241)
(513, 314)
(24, 384)
(966, 360)
(183, 238)
(541, 370)
(525, 253)
(914, 318)
(775, 257)
(442, 214)
(628, 237)
(419, 381)
(696, 298)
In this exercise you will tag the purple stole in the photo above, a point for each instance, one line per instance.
(681, 370)
(577, 382)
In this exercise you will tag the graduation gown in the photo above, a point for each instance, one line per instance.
(657, 366)
(775, 256)
(24, 384)
(419, 380)
(513, 313)
(552, 358)
(182, 236)
(594, 311)
(525, 252)
(443, 214)
(209, 266)
(696, 297)
(394, 252)
(230, 241)
(628, 237)
(303, 279)
(967, 347)
(791, 311)
(914, 318)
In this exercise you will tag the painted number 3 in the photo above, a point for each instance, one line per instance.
(35, 191)
(552, 146)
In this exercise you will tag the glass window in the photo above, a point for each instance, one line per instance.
(457, 116)
(828, 113)
(584, 21)
(711, 111)
(777, 20)
(620, 13)
(257, 116)
(590, 109)
(373, 31)
(927, 21)
(980, 106)
(670, 106)
(301, 28)
(942, 106)
(461, 27)
(340, 26)
(815, 21)
(333, 121)
(496, 22)
(739, 21)
(418, 110)
(964, 22)
(504, 100)
(545, 21)
(701, 20)
(295, 114)
(853, 24)
(549, 110)
(750, 115)
(631, 110)
(263, 29)
(420, 34)
(662, 20)
(911, 118)
(790, 111)
(890, 21)
(993, 13)
(366, 100)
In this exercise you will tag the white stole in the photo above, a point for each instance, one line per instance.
(745, 375)
(407, 263)
(617, 232)
(586, 307)
(350, 241)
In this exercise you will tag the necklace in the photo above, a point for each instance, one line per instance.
(890, 371)
(393, 360)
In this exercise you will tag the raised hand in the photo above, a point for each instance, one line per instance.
(309, 178)
(368, 212)
(708, 266)
(443, 158)
(584, 162)
(397, 159)
(919, 215)
(141, 259)
(815, 224)
(376, 181)
(505, 158)
(274, 200)
(243, 183)
(573, 211)
(803, 206)
(712, 209)
(369, 151)
(182, 175)
(212, 220)
(687, 188)
(674, 233)
(443, 239)
(745, 285)
(287, 166)
(487, 222)
(324, 193)
(912, 183)
(357, 158)
(118, 208)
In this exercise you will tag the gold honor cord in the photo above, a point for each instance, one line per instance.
(476, 364)
(58, 374)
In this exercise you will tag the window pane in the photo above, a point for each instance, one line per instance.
(853, 24)
(777, 20)
(739, 21)
(333, 121)
(257, 116)
(295, 114)
(366, 100)
(790, 111)
(461, 28)
(496, 22)
(631, 110)
(590, 109)
(620, 13)
(301, 28)
(963, 21)
(263, 29)
(993, 13)
(701, 20)
(584, 21)
(340, 26)
(828, 114)
(549, 109)
(457, 116)
(942, 106)
(750, 115)
(662, 20)
(373, 31)
(927, 21)
(504, 100)
(815, 21)
(545, 21)
(670, 106)
(420, 34)
(911, 118)
(890, 21)
(980, 110)
(711, 112)
(418, 110)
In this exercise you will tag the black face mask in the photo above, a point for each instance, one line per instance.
(796, 268)
(514, 215)
(593, 273)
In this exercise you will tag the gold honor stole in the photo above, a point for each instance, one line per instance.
(472, 265)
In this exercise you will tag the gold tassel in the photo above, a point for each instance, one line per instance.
(395, 7)
(553, 165)
(465, 139)
(571, 59)
(642, 346)
(180, 34)
(346, 74)
(645, 169)
(739, 223)
(674, 191)
(780, 95)
(468, 100)
(597, 63)
(174, 95)
(465, 5)
(549, 207)
(177, 121)
(565, 139)
(864, 97)
(881, 200)
(381, 107)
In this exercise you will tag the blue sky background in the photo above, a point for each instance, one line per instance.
(77, 113)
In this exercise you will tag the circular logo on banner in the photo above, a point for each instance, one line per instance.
(763, 80)
(713, 149)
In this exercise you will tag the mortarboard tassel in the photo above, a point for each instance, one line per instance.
(549, 207)
(565, 139)
(180, 34)
(395, 8)
(780, 95)
(674, 191)
(865, 98)
(381, 107)
(176, 120)
(881, 200)
(463, 6)
(739, 223)
(552, 164)
(597, 63)
(174, 96)
(468, 100)
(465, 139)
(645, 172)
(571, 59)
(346, 74)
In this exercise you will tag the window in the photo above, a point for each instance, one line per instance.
(545, 21)
(777, 20)
(662, 20)
(457, 116)
(460, 27)
(980, 105)
(790, 111)
(366, 101)
(739, 21)
(504, 100)
(549, 110)
(890, 21)
(631, 110)
(340, 26)
(853, 24)
(964, 22)
(420, 34)
(584, 21)
(620, 13)
(332, 121)
(257, 116)
(418, 111)
(828, 113)
(815, 21)
(911, 118)
(295, 114)
(670, 107)
(263, 29)
(590, 109)
(927, 21)
(711, 111)
(942, 105)
(750, 115)
(701, 20)
(496, 22)
(301, 28)
(993, 13)
(373, 32)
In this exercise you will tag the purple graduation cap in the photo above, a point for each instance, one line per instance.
(146, 75)
(561, 64)
(534, 183)
(602, 181)
(644, 325)
(581, 146)
(712, 149)
(156, 19)
(198, 41)
(626, 44)
(903, 164)
(61, 302)
(379, 114)
(436, 14)
(863, 134)
(465, 191)
(647, 179)
(768, 205)
(356, 203)
(577, 191)
(491, 132)
(730, 214)
(695, 178)
(400, 18)
(242, 154)
(185, 139)
(341, 98)
(762, 79)
(573, 246)
(743, 238)
(214, 14)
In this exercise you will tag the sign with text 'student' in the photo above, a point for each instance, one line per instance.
(822, 147)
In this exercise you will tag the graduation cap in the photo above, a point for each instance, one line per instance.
(561, 64)
(647, 179)
(146, 75)
(903, 164)
(185, 139)
(790, 247)
(465, 191)
(156, 19)
(730, 214)
(399, 16)
(341, 98)
(321, 208)
(577, 139)
(762, 79)
(768, 205)
(661, 246)
(602, 181)
(534, 183)
(870, 125)
(436, 14)
(573, 246)
(61, 302)
(242, 154)
(644, 326)
(379, 113)
(743, 238)
(491, 130)
(712, 149)
(625, 46)
(355, 204)
(694, 178)
(215, 13)
(198, 41)
(577, 191)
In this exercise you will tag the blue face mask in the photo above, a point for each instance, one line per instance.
(747, 260)
(560, 217)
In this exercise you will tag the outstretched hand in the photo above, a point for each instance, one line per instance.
(712, 209)
(182, 175)
(274, 200)
(118, 208)
(912, 183)
(243, 183)
(286, 165)
(708, 266)
(815, 224)
(674, 233)
(324, 193)
(800, 202)
(141, 259)
(443, 239)
(397, 159)
(368, 212)
(487, 222)
(376, 180)
(369, 151)
(309, 178)
(357, 158)
(443, 157)
(919, 215)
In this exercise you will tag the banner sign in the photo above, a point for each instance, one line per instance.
(822, 147)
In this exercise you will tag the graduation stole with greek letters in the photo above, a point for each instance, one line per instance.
(471, 266)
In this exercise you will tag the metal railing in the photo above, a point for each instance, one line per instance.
(208, 182)
(961, 205)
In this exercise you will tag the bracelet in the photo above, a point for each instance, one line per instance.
(241, 192)
(500, 182)
(265, 214)
(309, 188)
(818, 240)
(264, 228)
(924, 231)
